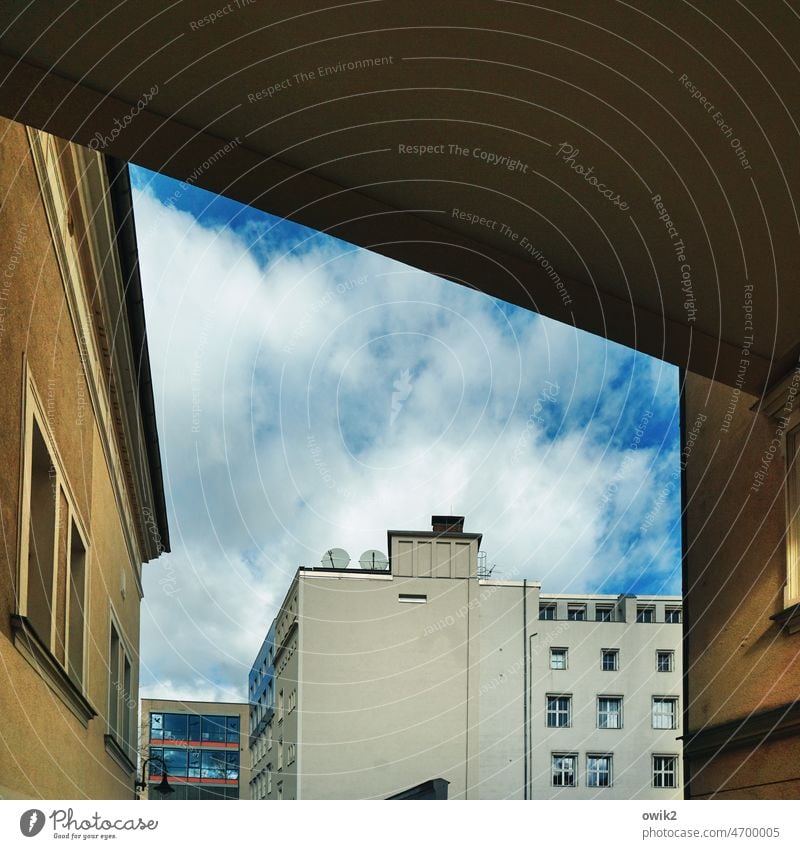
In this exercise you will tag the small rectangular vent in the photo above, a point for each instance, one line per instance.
(412, 598)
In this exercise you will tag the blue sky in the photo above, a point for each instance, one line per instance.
(311, 394)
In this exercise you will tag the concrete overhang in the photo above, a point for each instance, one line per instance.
(308, 113)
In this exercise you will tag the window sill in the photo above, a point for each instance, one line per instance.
(789, 619)
(30, 646)
(118, 754)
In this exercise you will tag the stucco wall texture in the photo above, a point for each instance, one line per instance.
(45, 751)
(738, 661)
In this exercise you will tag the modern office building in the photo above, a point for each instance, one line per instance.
(81, 496)
(388, 678)
(202, 746)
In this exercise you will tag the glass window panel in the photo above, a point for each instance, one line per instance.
(213, 765)
(610, 660)
(603, 614)
(154, 766)
(558, 658)
(576, 612)
(645, 614)
(598, 770)
(175, 726)
(609, 713)
(156, 726)
(563, 770)
(664, 661)
(232, 766)
(213, 729)
(232, 724)
(194, 728)
(558, 709)
(547, 611)
(194, 763)
(175, 760)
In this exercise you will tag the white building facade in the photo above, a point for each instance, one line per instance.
(387, 679)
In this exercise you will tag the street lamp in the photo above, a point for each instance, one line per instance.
(163, 786)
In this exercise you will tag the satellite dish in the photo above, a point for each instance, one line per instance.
(374, 559)
(335, 558)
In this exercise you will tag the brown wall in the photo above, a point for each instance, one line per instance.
(738, 661)
(44, 750)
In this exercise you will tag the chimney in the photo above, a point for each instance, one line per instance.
(447, 524)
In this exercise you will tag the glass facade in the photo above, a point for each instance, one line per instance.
(196, 750)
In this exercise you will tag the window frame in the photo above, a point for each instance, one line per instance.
(577, 607)
(663, 772)
(609, 757)
(562, 652)
(557, 712)
(547, 607)
(122, 729)
(668, 611)
(642, 609)
(563, 755)
(670, 653)
(675, 706)
(34, 416)
(620, 702)
(603, 653)
(605, 609)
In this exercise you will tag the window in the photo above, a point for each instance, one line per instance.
(175, 761)
(194, 763)
(665, 661)
(672, 614)
(232, 766)
(41, 537)
(665, 771)
(195, 725)
(280, 791)
(280, 753)
(269, 737)
(53, 557)
(609, 660)
(559, 710)
(558, 658)
(598, 770)
(213, 764)
(291, 753)
(175, 727)
(269, 779)
(232, 731)
(547, 611)
(213, 729)
(665, 712)
(76, 617)
(645, 614)
(280, 706)
(120, 700)
(609, 712)
(156, 726)
(564, 770)
(412, 598)
(576, 612)
(603, 613)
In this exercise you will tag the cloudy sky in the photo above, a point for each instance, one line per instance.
(311, 395)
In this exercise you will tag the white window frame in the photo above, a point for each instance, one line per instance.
(671, 656)
(557, 712)
(590, 772)
(574, 758)
(607, 713)
(603, 653)
(673, 610)
(641, 609)
(558, 651)
(605, 609)
(546, 606)
(674, 716)
(577, 608)
(674, 772)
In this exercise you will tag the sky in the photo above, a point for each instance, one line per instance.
(311, 394)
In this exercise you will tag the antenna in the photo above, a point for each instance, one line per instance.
(335, 558)
(374, 559)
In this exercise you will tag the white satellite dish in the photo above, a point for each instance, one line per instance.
(374, 559)
(335, 558)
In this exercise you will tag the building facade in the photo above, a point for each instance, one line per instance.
(203, 746)
(387, 679)
(261, 687)
(741, 474)
(81, 496)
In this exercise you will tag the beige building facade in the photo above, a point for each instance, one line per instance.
(387, 679)
(742, 589)
(81, 496)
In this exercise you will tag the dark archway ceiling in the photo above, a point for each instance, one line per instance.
(610, 79)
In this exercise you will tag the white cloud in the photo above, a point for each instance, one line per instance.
(283, 433)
